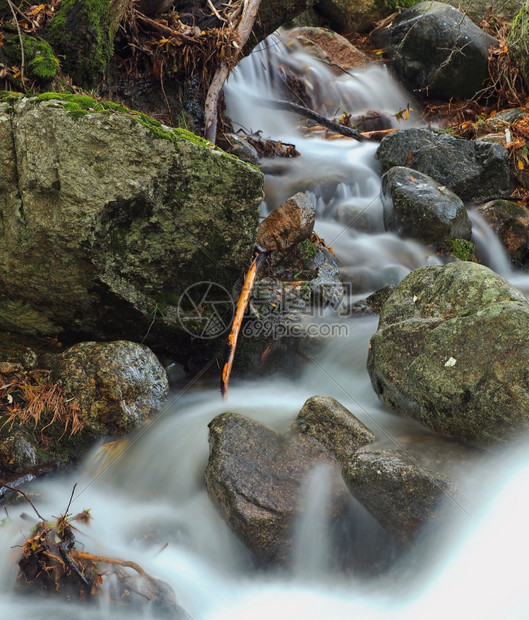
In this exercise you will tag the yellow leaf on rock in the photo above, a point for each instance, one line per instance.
(520, 165)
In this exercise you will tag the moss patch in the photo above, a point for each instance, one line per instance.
(463, 249)
(40, 61)
(86, 54)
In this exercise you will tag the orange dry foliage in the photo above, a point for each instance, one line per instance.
(33, 399)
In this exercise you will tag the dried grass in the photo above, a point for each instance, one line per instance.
(33, 399)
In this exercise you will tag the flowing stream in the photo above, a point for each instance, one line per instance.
(154, 493)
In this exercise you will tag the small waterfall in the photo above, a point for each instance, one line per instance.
(155, 492)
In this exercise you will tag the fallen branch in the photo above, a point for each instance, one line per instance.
(242, 33)
(242, 304)
(314, 116)
(378, 134)
(15, 490)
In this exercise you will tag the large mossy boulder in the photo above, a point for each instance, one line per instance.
(451, 351)
(472, 170)
(416, 206)
(107, 217)
(437, 51)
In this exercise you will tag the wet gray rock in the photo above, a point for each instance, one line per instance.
(255, 479)
(402, 496)
(437, 51)
(450, 351)
(107, 218)
(117, 385)
(472, 170)
(332, 426)
(510, 222)
(416, 206)
(17, 453)
(414, 483)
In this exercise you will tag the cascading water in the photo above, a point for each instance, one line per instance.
(155, 493)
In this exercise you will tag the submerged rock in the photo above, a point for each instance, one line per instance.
(401, 495)
(472, 170)
(108, 216)
(255, 478)
(437, 50)
(117, 385)
(450, 351)
(416, 206)
(510, 222)
(330, 47)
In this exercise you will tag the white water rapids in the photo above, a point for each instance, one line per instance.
(472, 567)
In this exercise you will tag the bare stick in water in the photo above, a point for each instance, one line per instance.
(242, 304)
(308, 113)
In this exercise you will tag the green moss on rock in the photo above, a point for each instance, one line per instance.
(40, 61)
(86, 54)
(463, 249)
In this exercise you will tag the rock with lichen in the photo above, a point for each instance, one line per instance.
(116, 385)
(450, 351)
(109, 216)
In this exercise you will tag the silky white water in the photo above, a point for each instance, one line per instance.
(154, 493)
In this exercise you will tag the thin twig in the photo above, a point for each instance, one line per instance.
(22, 57)
(217, 14)
(70, 501)
(7, 486)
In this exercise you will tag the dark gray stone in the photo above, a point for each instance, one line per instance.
(416, 206)
(255, 477)
(472, 170)
(333, 426)
(437, 51)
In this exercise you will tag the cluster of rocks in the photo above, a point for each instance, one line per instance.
(449, 352)
(102, 389)
(258, 479)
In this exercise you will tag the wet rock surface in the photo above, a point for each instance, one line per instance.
(510, 222)
(416, 206)
(330, 47)
(117, 385)
(255, 479)
(472, 170)
(450, 352)
(401, 495)
(291, 223)
(331, 425)
(436, 50)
